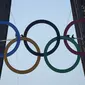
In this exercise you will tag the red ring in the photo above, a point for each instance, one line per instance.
(65, 33)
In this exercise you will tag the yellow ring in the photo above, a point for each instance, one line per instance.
(21, 71)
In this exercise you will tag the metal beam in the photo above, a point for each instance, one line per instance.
(5, 6)
(78, 12)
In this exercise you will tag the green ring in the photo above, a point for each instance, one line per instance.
(56, 69)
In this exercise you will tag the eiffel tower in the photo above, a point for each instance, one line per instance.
(78, 11)
(5, 6)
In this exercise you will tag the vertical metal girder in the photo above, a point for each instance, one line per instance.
(78, 12)
(5, 6)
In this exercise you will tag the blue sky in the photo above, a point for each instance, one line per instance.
(22, 14)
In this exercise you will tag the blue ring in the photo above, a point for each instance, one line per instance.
(17, 35)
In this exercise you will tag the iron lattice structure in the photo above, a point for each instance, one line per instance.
(78, 11)
(5, 6)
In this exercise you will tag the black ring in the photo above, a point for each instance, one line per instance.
(46, 22)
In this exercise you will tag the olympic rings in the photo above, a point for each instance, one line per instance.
(17, 35)
(61, 70)
(21, 71)
(65, 33)
(46, 22)
(38, 53)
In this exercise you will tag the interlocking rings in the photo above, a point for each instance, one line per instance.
(46, 53)
(17, 35)
(46, 22)
(24, 71)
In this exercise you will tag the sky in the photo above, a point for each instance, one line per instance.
(24, 12)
